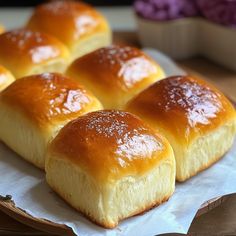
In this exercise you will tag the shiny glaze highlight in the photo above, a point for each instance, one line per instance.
(21, 49)
(115, 73)
(184, 106)
(48, 97)
(67, 20)
(115, 67)
(110, 144)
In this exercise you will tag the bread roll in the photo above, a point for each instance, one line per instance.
(109, 165)
(26, 52)
(77, 24)
(115, 73)
(6, 78)
(197, 119)
(33, 109)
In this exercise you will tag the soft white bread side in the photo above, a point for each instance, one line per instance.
(196, 118)
(107, 205)
(202, 152)
(6, 78)
(33, 110)
(23, 136)
(77, 24)
(133, 173)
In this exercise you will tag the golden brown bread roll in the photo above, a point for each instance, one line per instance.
(115, 73)
(110, 165)
(26, 52)
(196, 118)
(6, 78)
(77, 24)
(33, 109)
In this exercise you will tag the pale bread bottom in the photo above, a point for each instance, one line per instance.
(90, 44)
(108, 203)
(56, 65)
(22, 136)
(203, 151)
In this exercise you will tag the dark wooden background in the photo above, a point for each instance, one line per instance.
(14, 3)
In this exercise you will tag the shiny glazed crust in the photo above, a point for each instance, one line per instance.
(131, 147)
(24, 51)
(110, 165)
(33, 110)
(78, 21)
(6, 78)
(115, 73)
(48, 98)
(184, 106)
(197, 119)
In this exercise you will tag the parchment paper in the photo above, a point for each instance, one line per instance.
(30, 192)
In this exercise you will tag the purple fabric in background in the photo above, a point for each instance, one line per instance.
(219, 11)
(165, 9)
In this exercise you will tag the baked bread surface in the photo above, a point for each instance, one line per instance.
(25, 52)
(33, 109)
(187, 110)
(118, 166)
(116, 73)
(77, 24)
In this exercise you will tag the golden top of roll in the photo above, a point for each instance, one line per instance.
(115, 73)
(131, 147)
(49, 98)
(185, 106)
(26, 52)
(67, 20)
(6, 78)
(2, 29)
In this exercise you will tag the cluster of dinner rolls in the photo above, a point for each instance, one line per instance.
(108, 164)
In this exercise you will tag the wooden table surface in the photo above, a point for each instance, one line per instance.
(221, 220)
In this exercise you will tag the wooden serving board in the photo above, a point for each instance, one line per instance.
(8, 207)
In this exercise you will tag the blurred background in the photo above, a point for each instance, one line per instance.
(18, 3)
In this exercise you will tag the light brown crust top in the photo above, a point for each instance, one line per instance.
(21, 49)
(6, 78)
(115, 71)
(67, 20)
(115, 67)
(48, 98)
(183, 105)
(110, 144)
